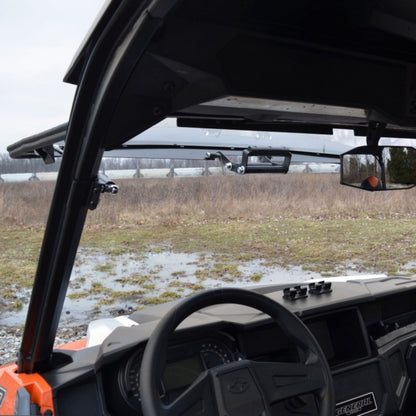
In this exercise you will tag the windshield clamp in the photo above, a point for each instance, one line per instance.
(295, 293)
(102, 184)
(320, 287)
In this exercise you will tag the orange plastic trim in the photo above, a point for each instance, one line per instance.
(74, 346)
(39, 390)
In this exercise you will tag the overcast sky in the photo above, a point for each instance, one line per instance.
(38, 39)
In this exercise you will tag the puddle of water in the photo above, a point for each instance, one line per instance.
(101, 285)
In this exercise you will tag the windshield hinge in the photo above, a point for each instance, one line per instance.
(47, 153)
(101, 184)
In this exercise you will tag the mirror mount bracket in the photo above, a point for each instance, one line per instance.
(266, 166)
(374, 131)
(102, 184)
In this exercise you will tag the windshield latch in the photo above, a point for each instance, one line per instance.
(102, 184)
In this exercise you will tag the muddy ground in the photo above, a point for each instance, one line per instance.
(103, 286)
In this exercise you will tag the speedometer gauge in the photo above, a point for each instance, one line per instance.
(213, 354)
(185, 361)
(130, 379)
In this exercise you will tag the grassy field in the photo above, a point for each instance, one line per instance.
(292, 220)
(215, 199)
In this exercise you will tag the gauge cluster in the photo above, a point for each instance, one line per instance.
(186, 361)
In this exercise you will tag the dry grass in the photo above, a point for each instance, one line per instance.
(173, 200)
(23, 204)
(301, 220)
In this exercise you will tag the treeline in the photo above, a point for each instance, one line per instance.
(9, 165)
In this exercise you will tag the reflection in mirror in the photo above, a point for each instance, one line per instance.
(379, 168)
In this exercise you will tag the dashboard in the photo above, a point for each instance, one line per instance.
(195, 351)
(191, 354)
(369, 343)
(185, 363)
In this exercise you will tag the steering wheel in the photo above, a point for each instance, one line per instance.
(244, 387)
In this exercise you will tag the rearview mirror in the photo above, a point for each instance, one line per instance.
(379, 168)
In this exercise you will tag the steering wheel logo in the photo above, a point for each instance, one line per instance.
(238, 385)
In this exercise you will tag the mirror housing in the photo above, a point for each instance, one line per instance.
(379, 168)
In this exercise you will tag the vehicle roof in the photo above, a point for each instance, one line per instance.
(305, 66)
